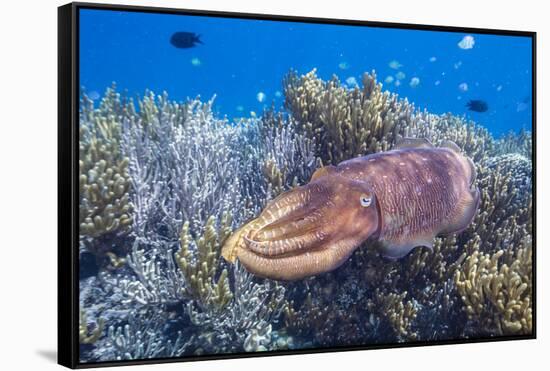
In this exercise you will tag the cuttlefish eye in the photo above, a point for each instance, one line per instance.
(366, 200)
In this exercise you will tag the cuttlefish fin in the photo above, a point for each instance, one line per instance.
(450, 145)
(473, 172)
(465, 212)
(402, 143)
(399, 248)
(322, 171)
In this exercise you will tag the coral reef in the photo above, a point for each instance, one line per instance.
(422, 286)
(84, 334)
(185, 197)
(400, 313)
(296, 166)
(201, 269)
(513, 142)
(163, 183)
(347, 123)
(140, 337)
(103, 174)
(496, 294)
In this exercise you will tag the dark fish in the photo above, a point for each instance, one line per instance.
(185, 40)
(477, 105)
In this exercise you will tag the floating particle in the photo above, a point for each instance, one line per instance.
(351, 81)
(239, 108)
(93, 95)
(397, 83)
(457, 65)
(400, 75)
(521, 106)
(415, 81)
(463, 87)
(433, 59)
(467, 42)
(395, 65)
(499, 88)
(437, 83)
(260, 96)
(343, 65)
(196, 62)
(389, 79)
(278, 94)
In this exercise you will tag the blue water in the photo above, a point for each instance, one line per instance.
(241, 58)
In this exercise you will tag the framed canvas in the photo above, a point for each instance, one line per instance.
(235, 185)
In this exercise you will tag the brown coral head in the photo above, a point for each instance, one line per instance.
(308, 230)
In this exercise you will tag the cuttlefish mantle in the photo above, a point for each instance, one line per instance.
(402, 198)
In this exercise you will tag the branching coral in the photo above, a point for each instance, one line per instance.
(104, 180)
(346, 123)
(521, 143)
(183, 166)
(200, 270)
(85, 335)
(255, 307)
(496, 294)
(494, 282)
(323, 111)
(184, 170)
(180, 180)
(186, 199)
(141, 337)
(275, 177)
(505, 215)
(300, 323)
(398, 311)
(352, 122)
(289, 156)
(474, 140)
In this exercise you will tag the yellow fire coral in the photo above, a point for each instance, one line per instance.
(274, 177)
(346, 123)
(399, 312)
(497, 291)
(104, 181)
(84, 334)
(200, 269)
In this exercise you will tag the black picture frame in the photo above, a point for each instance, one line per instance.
(68, 198)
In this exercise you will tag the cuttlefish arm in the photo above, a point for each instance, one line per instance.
(402, 198)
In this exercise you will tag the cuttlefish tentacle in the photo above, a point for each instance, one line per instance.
(295, 205)
(284, 246)
(402, 198)
(292, 228)
(293, 267)
(284, 207)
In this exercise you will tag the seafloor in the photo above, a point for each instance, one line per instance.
(162, 184)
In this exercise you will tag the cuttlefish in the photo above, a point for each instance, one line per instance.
(401, 198)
